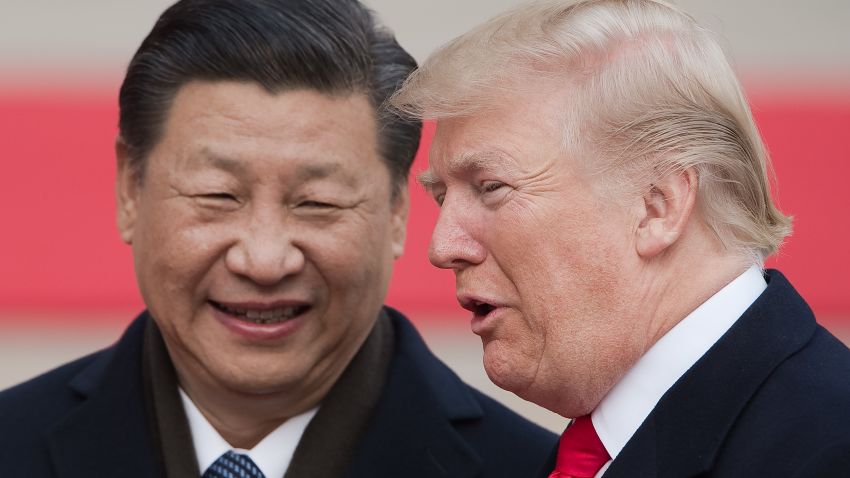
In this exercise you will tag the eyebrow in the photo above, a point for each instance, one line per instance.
(223, 163)
(304, 173)
(427, 179)
(316, 171)
(488, 160)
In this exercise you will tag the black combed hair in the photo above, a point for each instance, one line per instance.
(331, 46)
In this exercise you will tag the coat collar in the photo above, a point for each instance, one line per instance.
(683, 434)
(411, 432)
(107, 435)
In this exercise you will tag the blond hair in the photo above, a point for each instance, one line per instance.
(653, 94)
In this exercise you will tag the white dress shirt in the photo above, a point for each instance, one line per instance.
(272, 455)
(631, 400)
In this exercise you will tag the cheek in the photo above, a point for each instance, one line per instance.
(174, 258)
(562, 274)
(524, 252)
(353, 255)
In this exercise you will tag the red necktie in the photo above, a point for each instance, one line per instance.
(580, 452)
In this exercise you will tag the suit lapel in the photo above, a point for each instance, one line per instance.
(549, 464)
(683, 434)
(411, 432)
(107, 434)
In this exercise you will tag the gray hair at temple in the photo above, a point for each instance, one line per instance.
(653, 94)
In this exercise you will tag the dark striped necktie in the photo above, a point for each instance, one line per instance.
(233, 465)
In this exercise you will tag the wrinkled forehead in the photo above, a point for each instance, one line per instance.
(524, 130)
(492, 161)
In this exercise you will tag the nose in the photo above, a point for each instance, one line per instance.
(265, 252)
(452, 244)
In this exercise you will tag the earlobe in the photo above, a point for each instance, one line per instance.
(126, 192)
(667, 206)
(400, 209)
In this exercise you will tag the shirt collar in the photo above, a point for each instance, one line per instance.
(272, 455)
(632, 399)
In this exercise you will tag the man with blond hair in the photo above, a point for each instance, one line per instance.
(605, 207)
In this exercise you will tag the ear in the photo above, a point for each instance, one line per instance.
(665, 211)
(126, 191)
(400, 209)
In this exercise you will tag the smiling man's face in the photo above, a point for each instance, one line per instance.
(540, 258)
(264, 233)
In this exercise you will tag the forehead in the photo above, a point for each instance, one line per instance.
(233, 120)
(522, 131)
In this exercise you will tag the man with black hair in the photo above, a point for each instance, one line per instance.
(262, 187)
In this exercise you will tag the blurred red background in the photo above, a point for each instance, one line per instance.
(60, 251)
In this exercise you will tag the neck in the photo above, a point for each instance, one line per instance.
(667, 288)
(677, 284)
(245, 410)
(244, 419)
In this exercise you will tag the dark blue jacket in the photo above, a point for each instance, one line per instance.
(87, 420)
(770, 399)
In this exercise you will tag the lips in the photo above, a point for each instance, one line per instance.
(486, 311)
(262, 314)
(477, 307)
(479, 304)
(261, 323)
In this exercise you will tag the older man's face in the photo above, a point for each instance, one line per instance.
(264, 234)
(540, 258)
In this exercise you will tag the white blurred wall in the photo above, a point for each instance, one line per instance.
(762, 34)
(789, 37)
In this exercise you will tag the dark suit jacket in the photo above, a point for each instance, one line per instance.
(770, 399)
(87, 420)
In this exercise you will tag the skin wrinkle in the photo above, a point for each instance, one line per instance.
(307, 174)
(479, 162)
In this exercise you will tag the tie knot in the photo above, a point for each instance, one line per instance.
(581, 453)
(233, 465)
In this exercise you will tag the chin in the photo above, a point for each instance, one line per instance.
(572, 406)
(255, 385)
(520, 374)
(253, 380)
(507, 371)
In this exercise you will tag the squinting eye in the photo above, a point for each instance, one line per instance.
(439, 198)
(490, 186)
(220, 196)
(316, 204)
(217, 201)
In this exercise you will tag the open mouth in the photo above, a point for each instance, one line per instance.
(481, 309)
(477, 307)
(268, 316)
